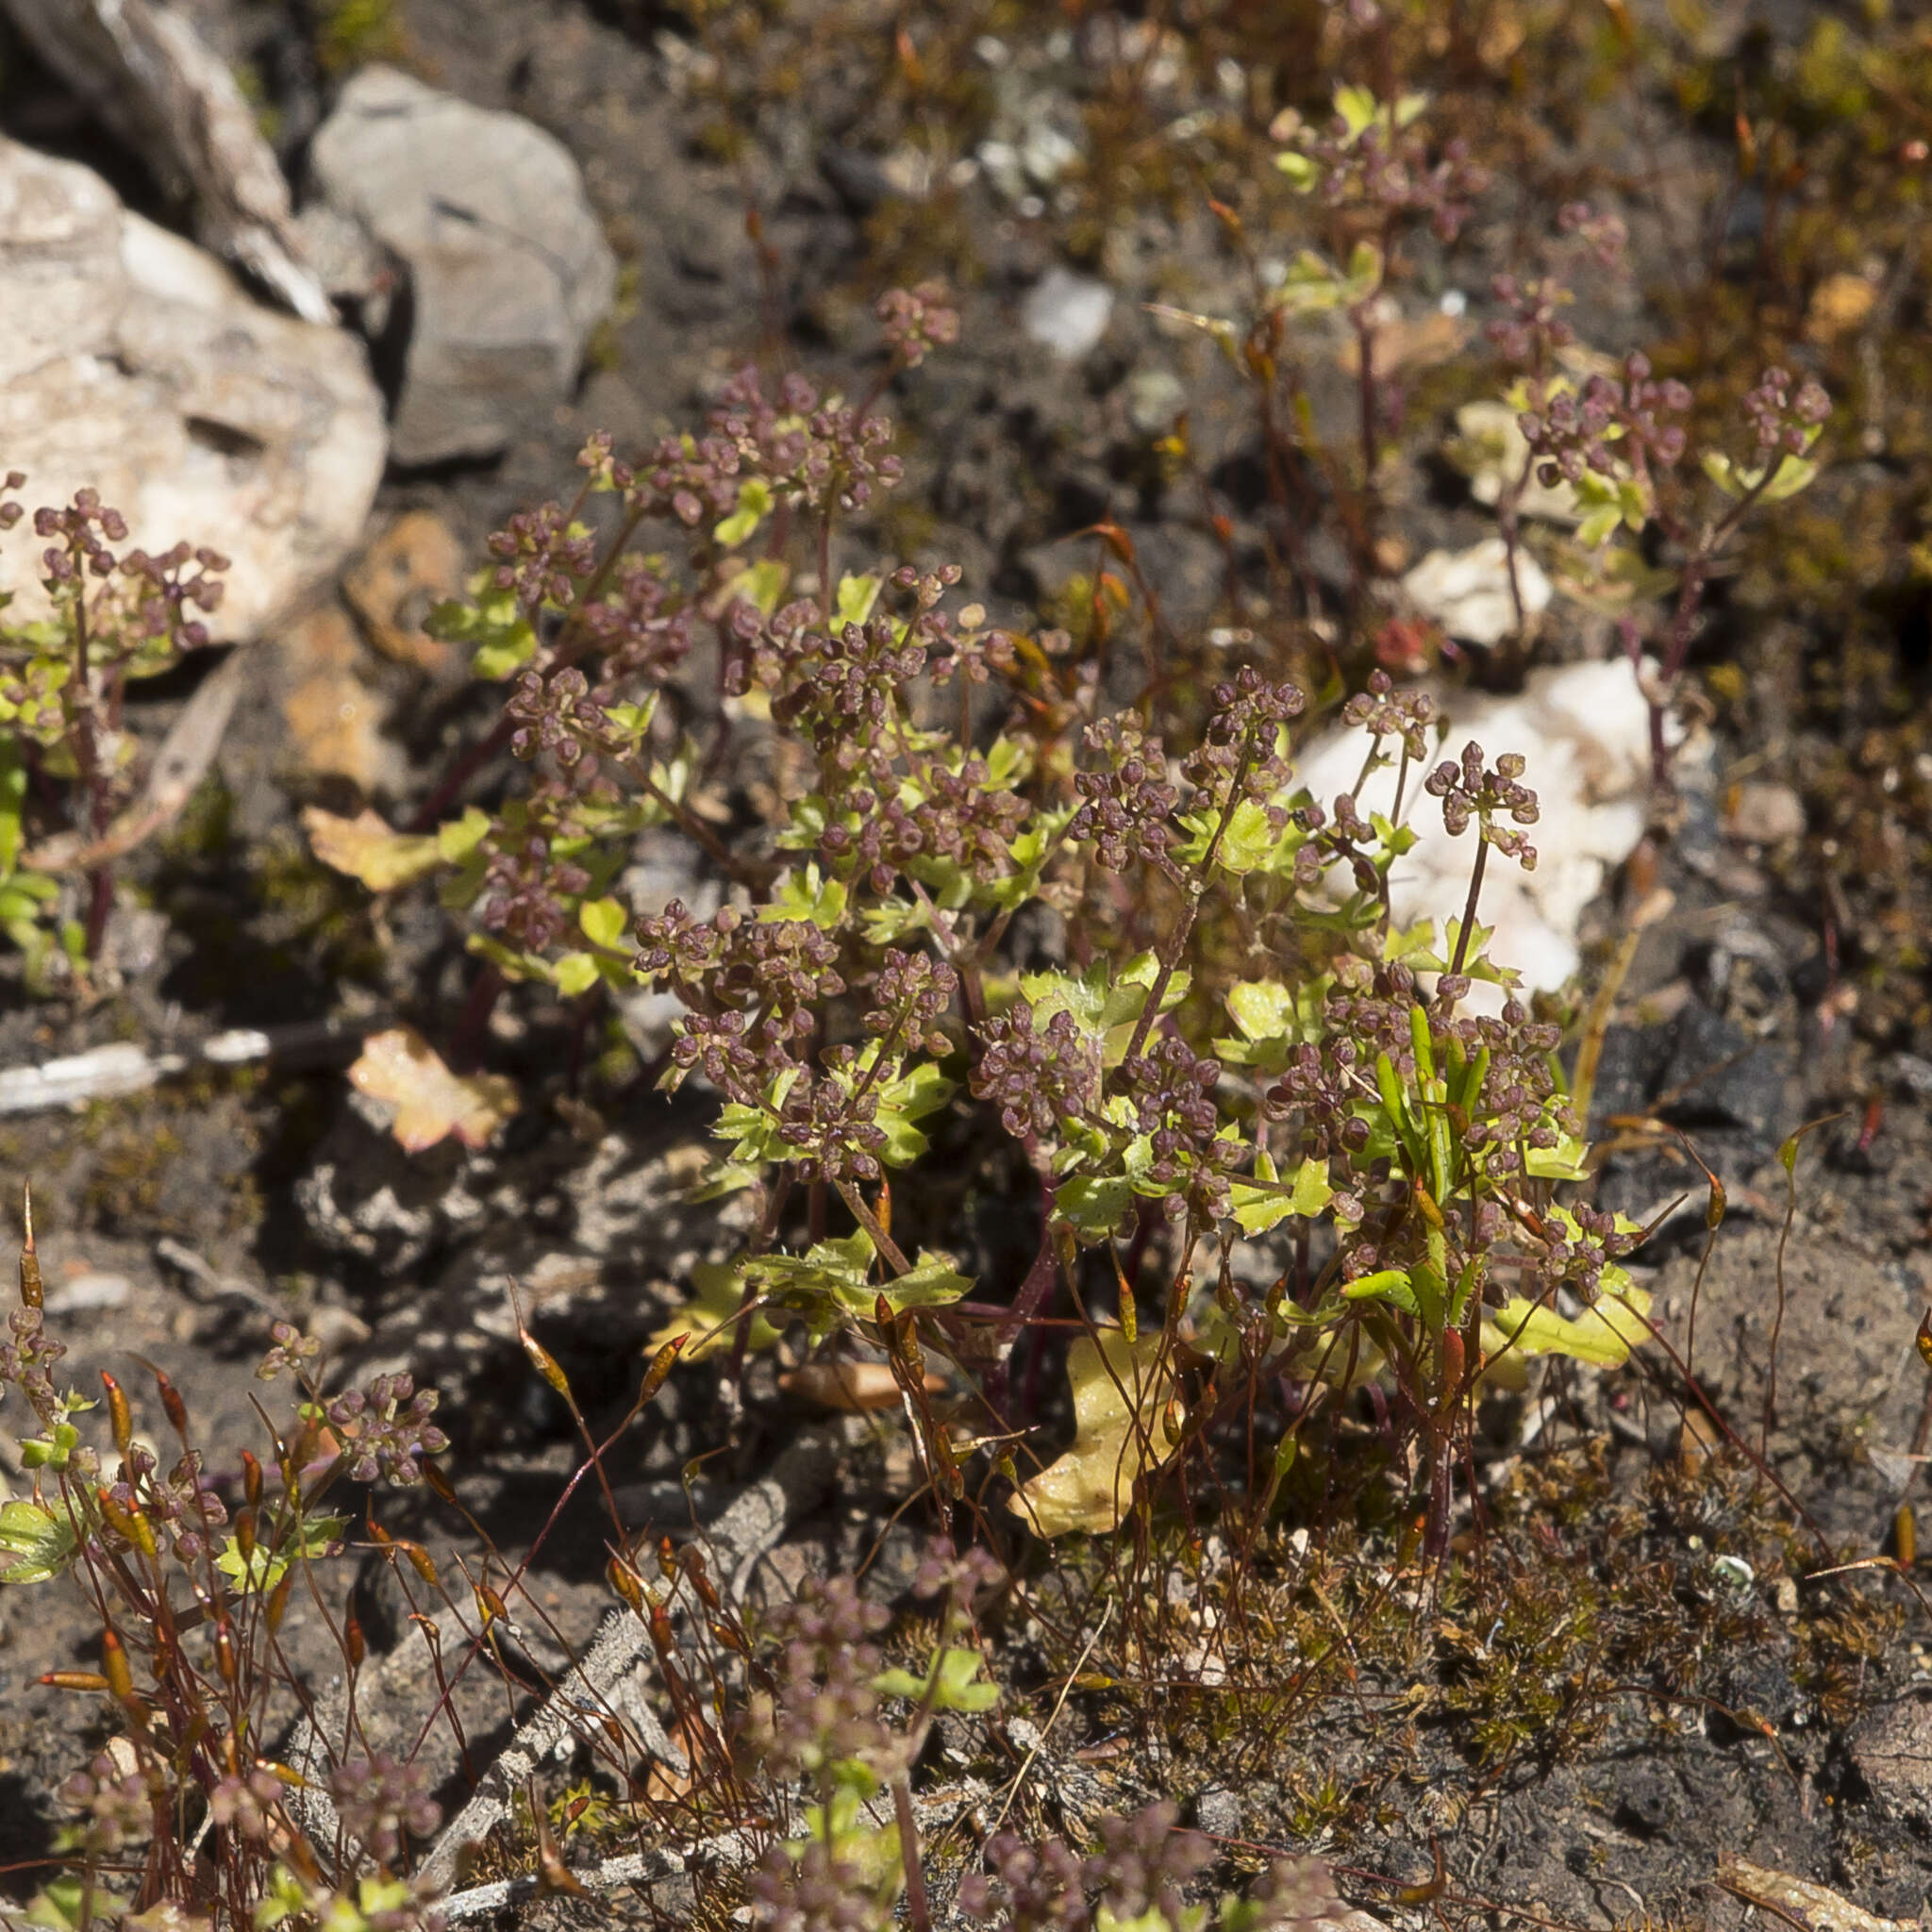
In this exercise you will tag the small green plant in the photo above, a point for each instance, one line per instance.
(69, 763)
(1584, 447)
(865, 985)
(816, 1720)
(186, 1596)
(352, 33)
(1372, 159)
(1602, 449)
(1139, 1877)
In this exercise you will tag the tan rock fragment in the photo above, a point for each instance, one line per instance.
(415, 564)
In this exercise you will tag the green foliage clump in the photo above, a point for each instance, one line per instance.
(116, 618)
(352, 33)
(873, 979)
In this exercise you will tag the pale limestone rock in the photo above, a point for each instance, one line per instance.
(1468, 591)
(1583, 730)
(136, 364)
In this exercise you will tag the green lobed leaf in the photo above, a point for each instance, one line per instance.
(952, 1684)
(1384, 1285)
(40, 1540)
(754, 505)
(576, 973)
(1358, 107)
(833, 1281)
(808, 894)
(603, 922)
(313, 1538)
(854, 600)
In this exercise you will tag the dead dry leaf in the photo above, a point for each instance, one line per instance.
(1410, 343)
(402, 1069)
(1813, 1907)
(367, 849)
(849, 1388)
(1124, 1418)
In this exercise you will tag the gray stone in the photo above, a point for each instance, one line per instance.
(1893, 1751)
(135, 364)
(1218, 1812)
(1912, 1074)
(508, 271)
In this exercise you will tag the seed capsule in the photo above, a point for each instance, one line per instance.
(30, 1296)
(114, 1668)
(120, 1417)
(130, 1526)
(624, 1580)
(170, 1401)
(662, 1365)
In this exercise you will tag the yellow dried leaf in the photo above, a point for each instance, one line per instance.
(1838, 305)
(401, 1068)
(366, 849)
(1125, 1418)
(1409, 342)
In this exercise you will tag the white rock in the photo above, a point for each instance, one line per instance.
(1468, 591)
(1584, 731)
(136, 364)
(90, 1294)
(509, 270)
(1046, 154)
(150, 76)
(1001, 161)
(1491, 448)
(1154, 397)
(1067, 312)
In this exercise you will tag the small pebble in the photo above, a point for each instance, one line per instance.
(1912, 1073)
(91, 1293)
(1155, 398)
(1767, 814)
(1218, 1812)
(1067, 312)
